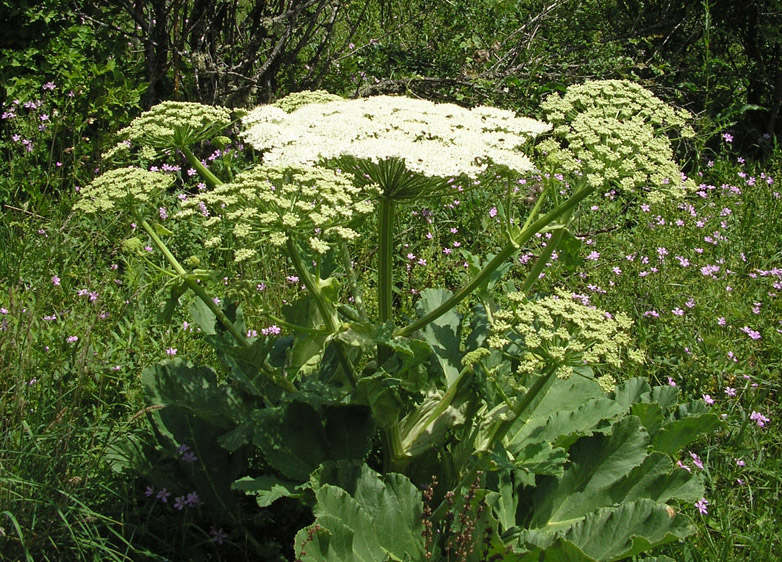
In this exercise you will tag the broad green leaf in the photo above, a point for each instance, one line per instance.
(665, 396)
(560, 550)
(657, 479)
(296, 438)
(266, 489)
(650, 414)
(194, 389)
(196, 413)
(630, 392)
(595, 463)
(615, 533)
(677, 434)
(380, 521)
(292, 439)
(571, 409)
(349, 430)
(442, 334)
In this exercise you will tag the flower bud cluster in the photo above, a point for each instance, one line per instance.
(615, 133)
(177, 124)
(129, 187)
(273, 204)
(559, 331)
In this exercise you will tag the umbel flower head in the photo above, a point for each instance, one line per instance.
(130, 187)
(423, 138)
(558, 331)
(177, 124)
(616, 132)
(273, 204)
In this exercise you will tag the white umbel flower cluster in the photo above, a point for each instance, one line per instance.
(435, 140)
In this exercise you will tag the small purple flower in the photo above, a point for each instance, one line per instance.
(730, 391)
(171, 351)
(740, 462)
(671, 382)
(271, 330)
(702, 505)
(149, 491)
(179, 503)
(218, 535)
(759, 418)
(708, 399)
(72, 339)
(493, 212)
(727, 137)
(751, 333)
(163, 495)
(189, 457)
(56, 281)
(192, 500)
(696, 460)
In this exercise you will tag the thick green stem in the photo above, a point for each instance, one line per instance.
(511, 248)
(210, 179)
(326, 310)
(197, 289)
(385, 242)
(409, 440)
(385, 269)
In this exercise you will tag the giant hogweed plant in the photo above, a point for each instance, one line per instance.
(467, 431)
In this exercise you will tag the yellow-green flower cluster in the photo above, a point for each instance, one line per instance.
(560, 332)
(294, 101)
(435, 140)
(130, 187)
(617, 99)
(615, 133)
(177, 124)
(273, 204)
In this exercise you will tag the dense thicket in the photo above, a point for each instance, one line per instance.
(715, 56)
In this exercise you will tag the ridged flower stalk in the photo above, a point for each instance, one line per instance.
(510, 249)
(210, 179)
(327, 311)
(206, 299)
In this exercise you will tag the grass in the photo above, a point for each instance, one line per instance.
(81, 318)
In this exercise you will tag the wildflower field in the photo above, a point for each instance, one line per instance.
(339, 325)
